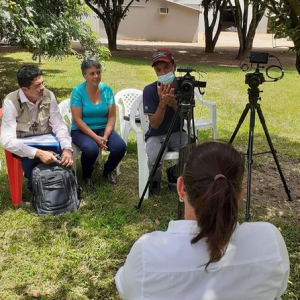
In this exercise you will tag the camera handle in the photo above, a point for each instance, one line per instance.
(184, 111)
(253, 106)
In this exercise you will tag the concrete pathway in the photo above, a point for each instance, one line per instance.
(226, 39)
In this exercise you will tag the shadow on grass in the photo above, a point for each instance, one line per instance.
(86, 248)
(9, 77)
(287, 153)
(62, 293)
(62, 93)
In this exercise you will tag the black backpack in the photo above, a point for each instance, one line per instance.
(55, 189)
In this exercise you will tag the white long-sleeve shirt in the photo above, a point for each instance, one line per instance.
(166, 266)
(9, 139)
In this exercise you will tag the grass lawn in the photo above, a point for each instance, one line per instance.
(75, 256)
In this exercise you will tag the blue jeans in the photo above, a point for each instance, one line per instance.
(90, 151)
(28, 164)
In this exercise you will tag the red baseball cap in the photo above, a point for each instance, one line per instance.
(162, 55)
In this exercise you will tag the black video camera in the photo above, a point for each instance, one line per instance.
(274, 72)
(184, 87)
(256, 78)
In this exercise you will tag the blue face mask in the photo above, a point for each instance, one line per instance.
(166, 79)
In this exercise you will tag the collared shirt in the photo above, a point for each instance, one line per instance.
(166, 266)
(9, 139)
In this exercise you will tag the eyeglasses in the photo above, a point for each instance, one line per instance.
(39, 86)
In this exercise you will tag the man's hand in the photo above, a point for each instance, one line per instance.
(166, 96)
(45, 156)
(66, 158)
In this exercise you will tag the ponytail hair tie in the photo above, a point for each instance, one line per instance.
(219, 176)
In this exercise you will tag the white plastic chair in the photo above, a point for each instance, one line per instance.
(124, 100)
(206, 123)
(137, 107)
(65, 111)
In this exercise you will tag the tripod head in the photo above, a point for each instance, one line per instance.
(254, 80)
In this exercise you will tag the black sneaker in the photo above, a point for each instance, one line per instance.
(154, 188)
(172, 181)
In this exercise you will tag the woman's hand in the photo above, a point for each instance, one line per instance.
(101, 142)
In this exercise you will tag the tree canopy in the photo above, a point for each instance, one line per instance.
(284, 16)
(47, 28)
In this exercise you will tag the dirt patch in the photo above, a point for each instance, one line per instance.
(196, 55)
(267, 189)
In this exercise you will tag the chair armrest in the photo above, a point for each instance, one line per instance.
(201, 100)
(206, 103)
(212, 107)
(120, 111)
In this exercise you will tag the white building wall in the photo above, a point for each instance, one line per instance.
(144, 22)
(181, 24)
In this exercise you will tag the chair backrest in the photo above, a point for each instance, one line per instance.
(125, 98)
(65, 111)
(137, 107)
(210, 105)
(198, 95)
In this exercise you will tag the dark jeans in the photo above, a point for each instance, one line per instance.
(90, 150)
(28, 164)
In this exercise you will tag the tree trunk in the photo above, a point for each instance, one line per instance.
(247, 44)
(298, 62)
(241, 20)
(210, 40)
(111, 16)
(246, 37)
(112, 39)
(209, 46)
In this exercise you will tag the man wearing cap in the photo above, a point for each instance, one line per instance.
(160, 105)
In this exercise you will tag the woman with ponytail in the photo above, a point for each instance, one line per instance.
(208, 255)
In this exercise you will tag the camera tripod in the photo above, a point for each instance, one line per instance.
(253, 106)
(185, 111)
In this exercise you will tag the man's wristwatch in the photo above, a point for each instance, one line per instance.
(69, 148)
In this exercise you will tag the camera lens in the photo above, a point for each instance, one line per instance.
(254, 82)
(187, 86)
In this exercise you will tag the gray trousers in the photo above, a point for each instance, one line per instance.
(153, 145)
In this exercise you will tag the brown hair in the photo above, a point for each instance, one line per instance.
(214, 198)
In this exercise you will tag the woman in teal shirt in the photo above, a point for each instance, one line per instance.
(93, 121)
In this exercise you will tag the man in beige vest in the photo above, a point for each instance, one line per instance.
(33, 110)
